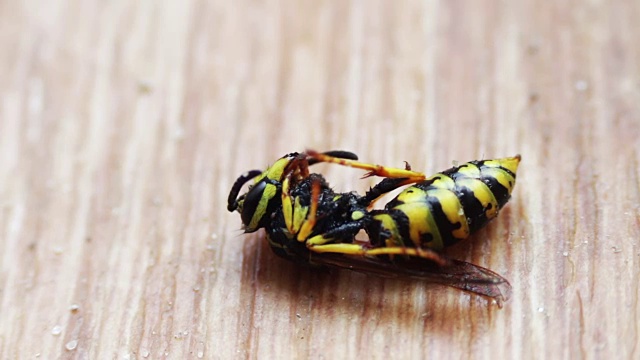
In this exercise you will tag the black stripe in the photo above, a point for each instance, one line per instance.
(381, 188)
(480, 164)
(453, 172)
(445, 227)
(500, 192)
(472, 207)
(426, 185)
(402, 223)
(508, 171)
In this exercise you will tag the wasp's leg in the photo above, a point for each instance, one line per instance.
(300, 164)
(373, 169)
(294, 213)
(336, 153)
(343, 233)
(310, 220)
(357, 249)
(297, 166)
(383, 187)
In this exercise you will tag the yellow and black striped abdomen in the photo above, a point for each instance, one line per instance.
(450, 205)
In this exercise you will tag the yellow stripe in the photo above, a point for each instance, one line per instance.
(470, 170)
(481, 192)
(412, 194)
(299, 215)
(494, 169)
(274, 172)
(441, 181)
(510, 163)
(261, 209)
(421, 221)
(390, 225)
(287, 206)
(452, 209)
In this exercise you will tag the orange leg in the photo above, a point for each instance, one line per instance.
(307, 226)
(293, 212)
(315, 244)
(373, 169)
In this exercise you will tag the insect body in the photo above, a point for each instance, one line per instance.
(310, 223)
(443, 209)
(280, 200)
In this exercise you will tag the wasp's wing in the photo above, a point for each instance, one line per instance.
(457, 274)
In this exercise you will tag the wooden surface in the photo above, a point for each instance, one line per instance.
(124, 123)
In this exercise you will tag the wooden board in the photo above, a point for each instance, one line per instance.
(123, 125)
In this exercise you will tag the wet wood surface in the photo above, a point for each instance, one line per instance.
(123, 125)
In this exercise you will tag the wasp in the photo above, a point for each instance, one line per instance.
(307, 222)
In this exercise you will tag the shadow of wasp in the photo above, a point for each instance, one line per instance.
(308, 223)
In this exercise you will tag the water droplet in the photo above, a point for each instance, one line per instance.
(74, 307)
(581, 85)
(540, 309)
(565, 254)
(200, 350)
(57, 330)
(71, 345)
(144, 353)
(179, 133)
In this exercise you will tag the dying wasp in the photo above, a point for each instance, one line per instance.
(307, 222)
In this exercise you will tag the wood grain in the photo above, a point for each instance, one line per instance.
(123, 125)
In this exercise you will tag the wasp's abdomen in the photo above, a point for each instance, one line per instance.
(450, 205)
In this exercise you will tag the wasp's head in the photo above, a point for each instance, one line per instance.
(263, 195)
